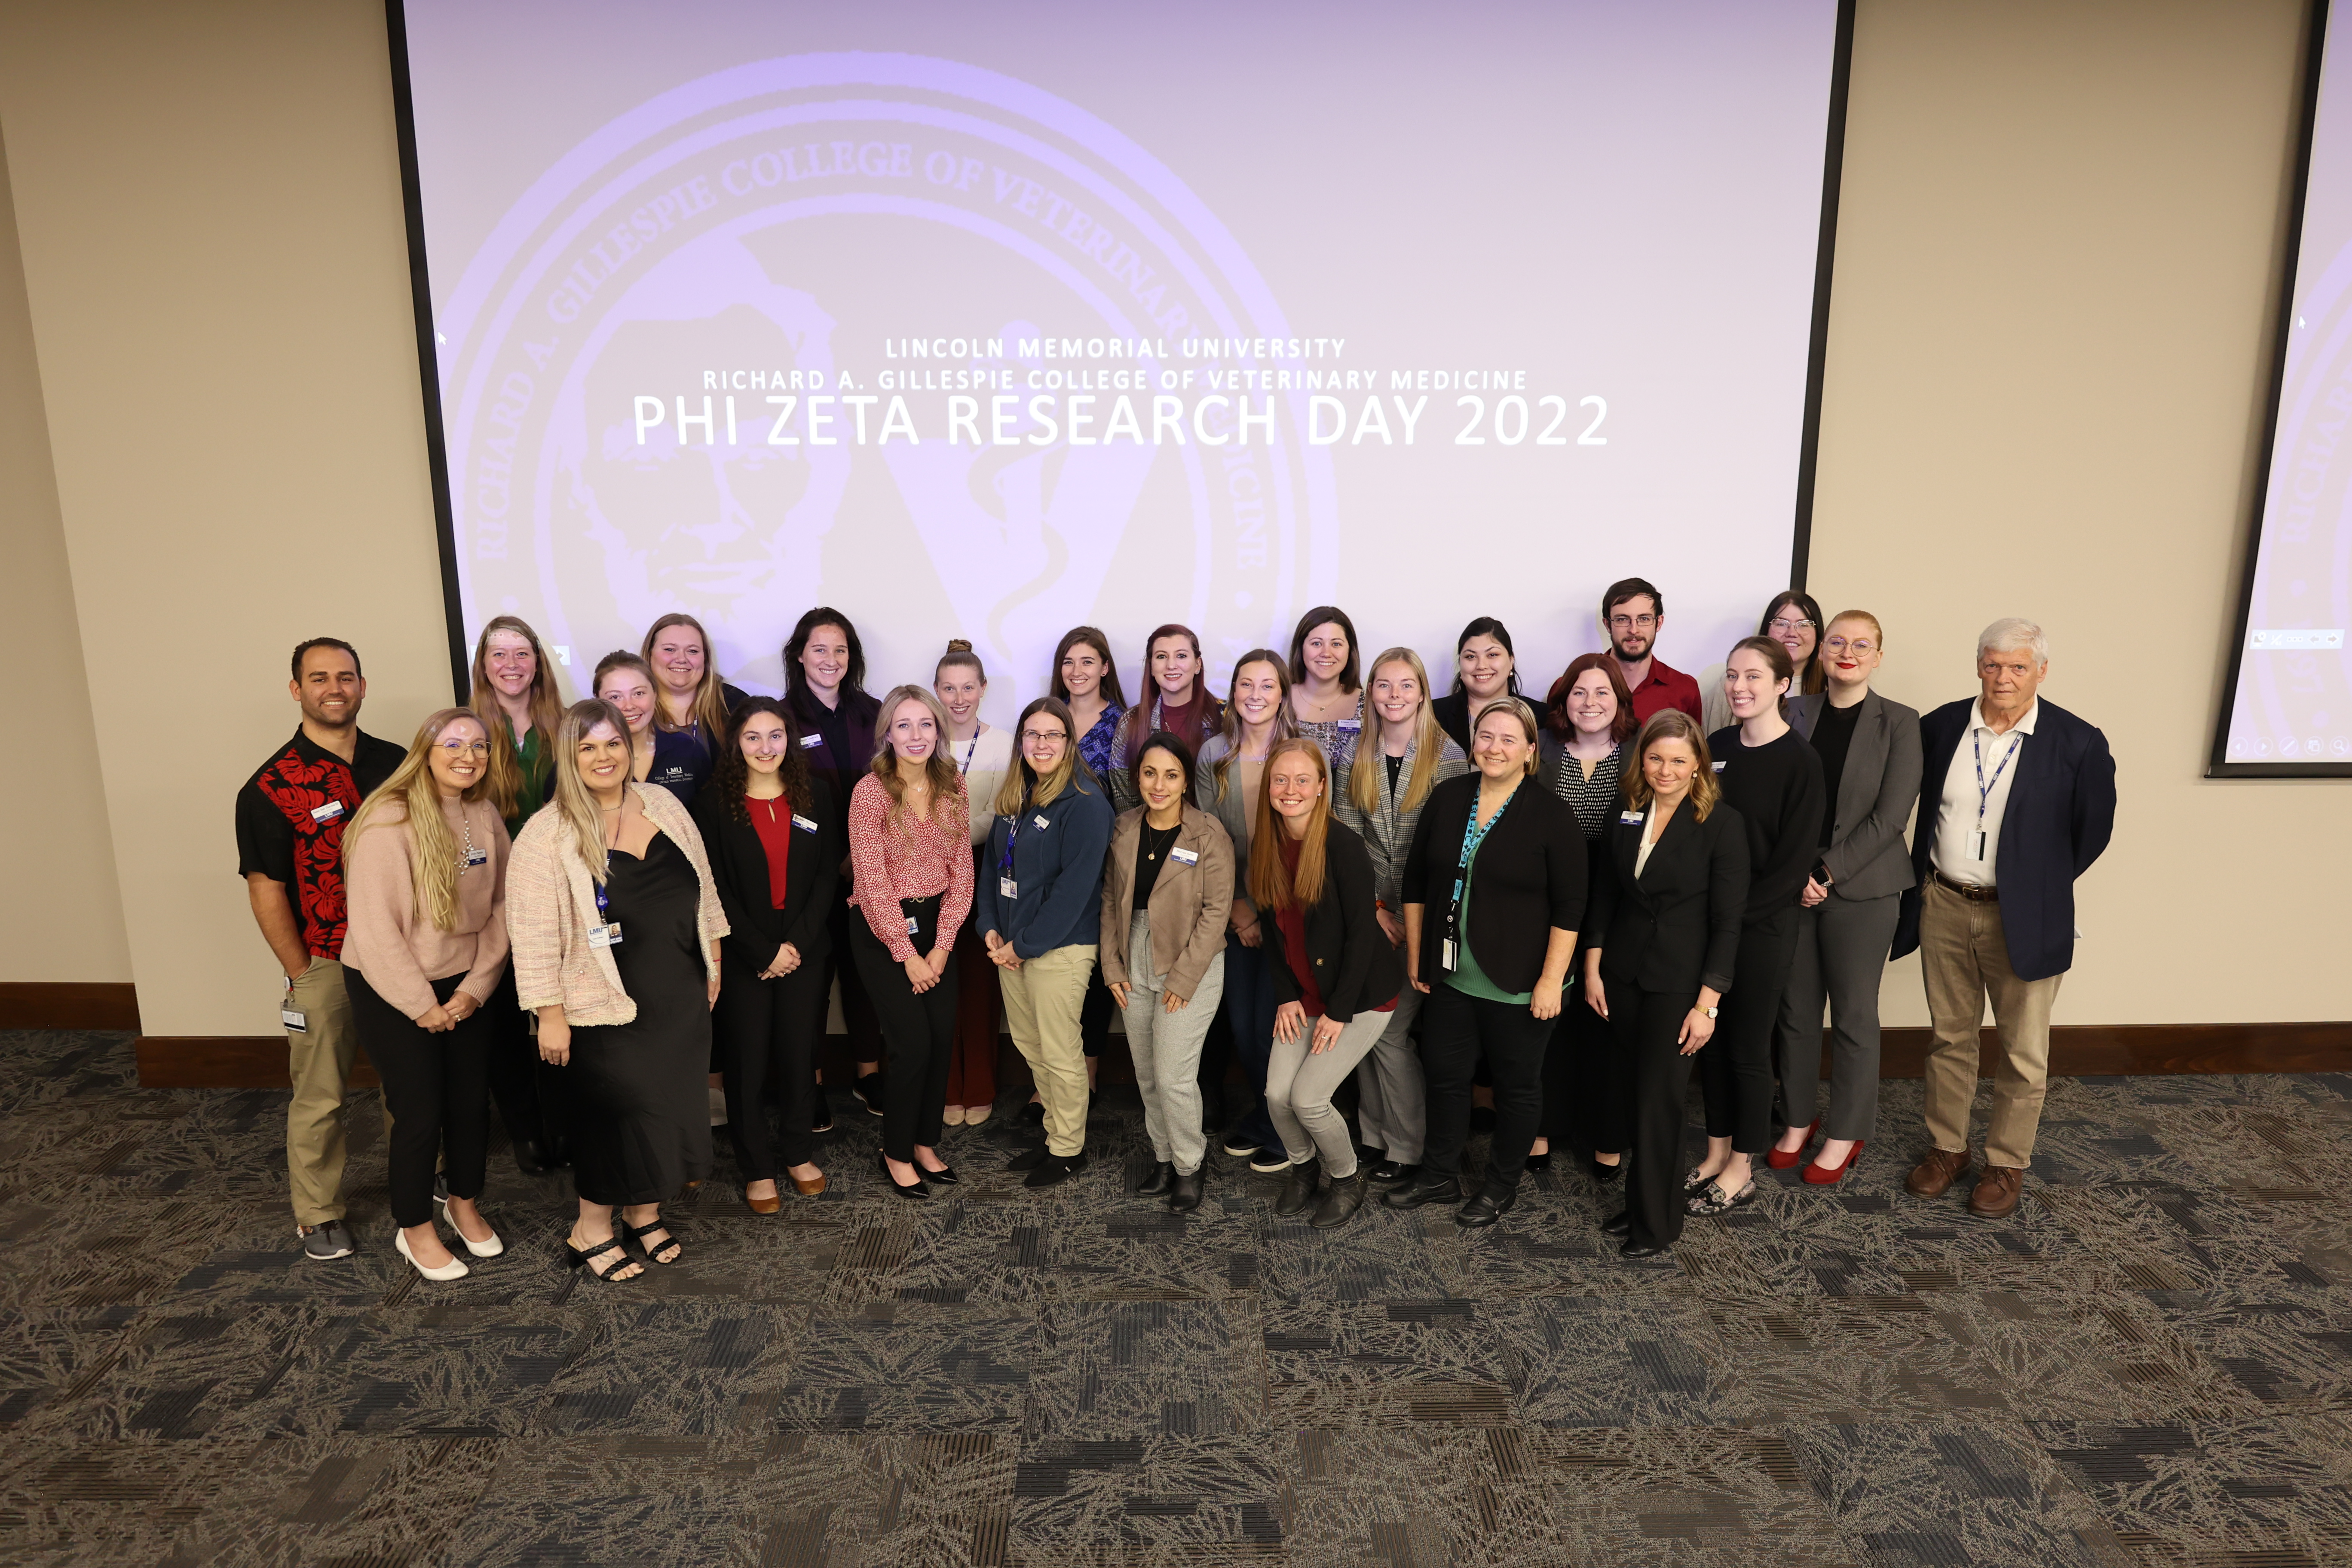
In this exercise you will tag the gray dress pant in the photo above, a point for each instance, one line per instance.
(1300, 1083)
(1391, 1101)
(1167, 1051)
(1842, 946)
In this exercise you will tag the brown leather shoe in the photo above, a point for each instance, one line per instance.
(1933, 1176)
(769, 1204)
(1997, 1192)
(808, 1189)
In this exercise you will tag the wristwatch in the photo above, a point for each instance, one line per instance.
(1708, 1011)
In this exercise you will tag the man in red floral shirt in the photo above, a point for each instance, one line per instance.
(290, 818)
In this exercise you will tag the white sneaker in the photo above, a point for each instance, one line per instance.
(454, 1270)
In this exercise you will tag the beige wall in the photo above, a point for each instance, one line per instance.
(2052, 307)
(66, 924)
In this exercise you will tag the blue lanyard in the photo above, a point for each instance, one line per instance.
(968, 752)
(1984, 790)
(1473, 834)
(1011, 834)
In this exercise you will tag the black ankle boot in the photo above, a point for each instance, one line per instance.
(1340, 1201)
(1298, 1188)
(1162, 1177)
(1185, 1191)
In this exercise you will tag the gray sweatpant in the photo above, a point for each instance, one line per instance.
(1298, 1088)
(1392, 1102)
(1167, 1051)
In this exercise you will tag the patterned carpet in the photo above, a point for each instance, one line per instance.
(2150, 1365)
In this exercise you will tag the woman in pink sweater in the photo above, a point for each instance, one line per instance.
(424, 867)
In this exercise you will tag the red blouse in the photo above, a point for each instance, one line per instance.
(1291, 920)
(772, 821)
(916, 858)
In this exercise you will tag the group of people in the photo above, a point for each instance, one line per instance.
(1534, 917)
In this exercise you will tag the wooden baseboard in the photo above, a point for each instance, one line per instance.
(258, 1061)
(70, 1004)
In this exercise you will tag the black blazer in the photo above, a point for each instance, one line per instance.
(739, 868)
(2061, 814)
(1532, 874)
(1676, 929)
(1355, 967)
(1453, 714)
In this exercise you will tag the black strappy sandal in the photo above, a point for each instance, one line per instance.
(579, 1259)
(637, 1233)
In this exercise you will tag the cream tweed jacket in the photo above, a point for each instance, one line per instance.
(552, 902)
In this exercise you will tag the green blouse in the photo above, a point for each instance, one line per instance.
(1467, 977)
(531, 755)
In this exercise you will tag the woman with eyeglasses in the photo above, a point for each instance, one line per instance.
(1485, 671)
(1773, 779)
(1232, 775)
(1039, 909)
(1379, 794)
(1587, 1082)
(424, 873)
(1869, 754)
(515, 691)
(982, 754)
(1794, 621)
(1327, 690)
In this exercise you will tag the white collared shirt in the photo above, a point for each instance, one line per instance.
(1956, 816)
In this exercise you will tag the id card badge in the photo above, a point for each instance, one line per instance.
(1006, 887)
(805, 824)
(1976, 845)
(605, 935)
(478, 857)
(1446, 955)
(327, 813)
(1184, 857)
(913, 926)
(1718, 767)
(1041, 822)
(295, 1019)
(1632, 818)
(809, 741)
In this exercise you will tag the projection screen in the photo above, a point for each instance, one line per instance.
(986, 321)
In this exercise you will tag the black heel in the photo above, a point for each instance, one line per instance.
(915, 1193)
(637, 1233)
(576, 1259)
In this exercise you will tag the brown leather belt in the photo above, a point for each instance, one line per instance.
(1967, 890)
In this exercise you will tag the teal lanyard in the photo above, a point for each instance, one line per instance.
(1473, 834)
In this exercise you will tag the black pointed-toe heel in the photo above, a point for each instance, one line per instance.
(916, 1193)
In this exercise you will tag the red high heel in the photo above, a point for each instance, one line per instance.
(1826, 1176)
(1779, 1161)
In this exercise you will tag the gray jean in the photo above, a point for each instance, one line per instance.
(1167, 1051)
(1298, 1088)
(1392, 1102)
(1842, 947)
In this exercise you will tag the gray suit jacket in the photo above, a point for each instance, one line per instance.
(1867, 857)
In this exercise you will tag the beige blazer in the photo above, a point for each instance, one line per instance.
(552, 902)
(1188, 904)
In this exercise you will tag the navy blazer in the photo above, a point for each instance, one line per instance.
(2061, 814)
(1057, 869)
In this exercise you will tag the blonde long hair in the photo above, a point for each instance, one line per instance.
(1673, 725)
(1023, 785)
(947, 783)
(710, 705)
(571, 797)
(544, 700)
(1428, 741)
(1271, 887)
(1285, 727)
(432, 847)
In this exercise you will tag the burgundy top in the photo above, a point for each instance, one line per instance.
(1291, 920)
(772, 821)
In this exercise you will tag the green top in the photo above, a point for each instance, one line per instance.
(1467, 977)
(532, 756)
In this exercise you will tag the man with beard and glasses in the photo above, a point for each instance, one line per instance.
(290, 818)
(1633, 614)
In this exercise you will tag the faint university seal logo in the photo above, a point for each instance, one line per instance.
(734, 248)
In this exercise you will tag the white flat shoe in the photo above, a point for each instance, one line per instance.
(973, 1115)
(454, 1270)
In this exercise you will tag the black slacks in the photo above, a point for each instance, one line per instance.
(1598, 1078)
(532, 1098)
(1735, 1068)
(766, 1032)
(859, 1015)
(919, 1030)
(437, 1087)
(1457, 1033)
(1645, 1024)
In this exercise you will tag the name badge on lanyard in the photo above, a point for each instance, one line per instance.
(327, 813)
(295, 1019)
(604, 935)
(913, 926)
(1473, 834)
(1006, 887)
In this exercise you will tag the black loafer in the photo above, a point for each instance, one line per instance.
(1055, 1168)
(1184, 1191)
(1389, 1174)
(1162, 1177)
(1635, 1251)
(821, 1113)
(1540, 1161)
(1604, 1174)
(1029, 1159)
(1426, 1189)
(1618, 1224)
(1484, 1210)
(529, 1159)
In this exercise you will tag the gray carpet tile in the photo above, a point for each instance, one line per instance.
(2149, 1367)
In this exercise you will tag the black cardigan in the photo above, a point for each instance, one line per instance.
(1677, 928)
(1532, 871)
(739, 868)
(1356, 969)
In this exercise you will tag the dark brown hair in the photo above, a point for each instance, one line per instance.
(1556, 720)
(733, 774)
(1351, 674)
(1094, 637)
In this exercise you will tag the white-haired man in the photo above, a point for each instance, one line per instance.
(2020, 798)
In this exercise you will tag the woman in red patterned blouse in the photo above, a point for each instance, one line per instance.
(911, 857)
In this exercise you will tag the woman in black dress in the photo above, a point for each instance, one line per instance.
(616, 925)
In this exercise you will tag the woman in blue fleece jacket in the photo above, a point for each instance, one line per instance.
(1039, 907)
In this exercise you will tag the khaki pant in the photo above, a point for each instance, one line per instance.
(1042, 1002)
(1964, 959)
(318, 1060)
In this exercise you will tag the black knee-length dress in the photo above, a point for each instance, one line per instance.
(641, 1127)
